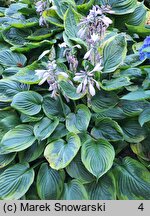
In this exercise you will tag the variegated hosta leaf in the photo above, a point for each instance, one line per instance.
(114, 84)
(71, 19)
(28, 102)
(132, 180)
(6, 159)
(141, 30)
(62, 6)
(133, 132)
(133, 108)
(27, 74)
(144, 116)
(33, 152)
(74, 190)
(108, 129)
(17, 139)
(138, 95)
(114, 53)
(70, 91)
(97, 156)
(15, 36)
(9, 88)
(50, 182)
(45, 128)
(142, 150)
(60, 153)
(79, 121)
(9, 58)
(15, 181)
(120, 6)
(104, 189)
(8, 120)
(52, 107)
(104, 100)
(77, 170)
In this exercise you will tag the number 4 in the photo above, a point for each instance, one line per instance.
(141, 207)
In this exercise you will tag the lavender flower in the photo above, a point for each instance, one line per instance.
(51, 75)
(142, 52)
(70, 56)
(92, 29)
(87, 81)
(95, 22)
(40, 8)
(93, 54)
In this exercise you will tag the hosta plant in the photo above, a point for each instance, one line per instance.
(75, 100)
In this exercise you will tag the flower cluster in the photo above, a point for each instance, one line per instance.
(87, 81)
(92, 29)
(40, 8)
(51, 75)
(95, 23)
(69, 53)
(142, 51)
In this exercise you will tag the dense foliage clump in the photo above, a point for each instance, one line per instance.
(75, 99)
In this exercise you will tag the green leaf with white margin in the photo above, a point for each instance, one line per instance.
(17, 139)
(27, 74)
(137, 95)
(33, 45)
(79, 121)
(144, 117)
(133, 60)
(9, 58)
(60, 153)
(45, 128)
(142, 149)
(15, 181)
(41, 34)
(120, 6)
(59, 132)
(77, 170)
(9, 88)
(14, 8)
(114, 53)
(114, 84)
(27, 102)
(70, 91)
(133, 132)
(74, 190)
(83, 8)
(103, 189)
(8, 120)
(132, 180)
(26, 118)
(97, 156)
(115, 113)
(133, 108)
(138, 16)
(107, 129)
(27, 23)
(141, 30)
(6, 159)
(62, 6)
(52, 17)
(32, 153)
(53, 108)
(71, 20)
(49, 182)
(15, 36)
(104, 100)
